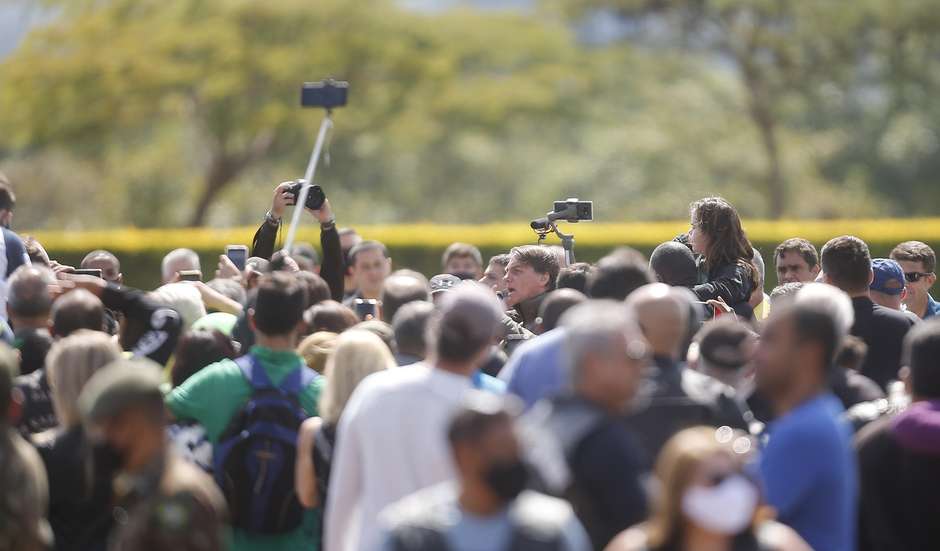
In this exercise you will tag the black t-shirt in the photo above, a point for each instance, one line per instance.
(34, 393)
(853, 388)
(883, 330)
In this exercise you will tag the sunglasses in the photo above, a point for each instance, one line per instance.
(715, 479)
(914, 277)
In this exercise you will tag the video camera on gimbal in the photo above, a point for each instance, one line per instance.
(571, 210)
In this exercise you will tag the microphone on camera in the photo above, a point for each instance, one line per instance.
(539, 223)
(545, 222)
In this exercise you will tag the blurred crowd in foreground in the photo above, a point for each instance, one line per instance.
(319, 398)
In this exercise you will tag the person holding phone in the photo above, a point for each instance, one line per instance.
(265, 239)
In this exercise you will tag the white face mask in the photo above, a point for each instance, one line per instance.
(727, 508)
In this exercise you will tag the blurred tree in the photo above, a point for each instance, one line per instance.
(776, 48)
(853, 78)
(222, 77)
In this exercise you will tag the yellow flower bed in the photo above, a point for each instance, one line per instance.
(639, 234)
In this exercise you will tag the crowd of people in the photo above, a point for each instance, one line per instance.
(329, 399)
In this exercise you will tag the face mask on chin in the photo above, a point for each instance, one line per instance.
(506, 479)
(727, 508)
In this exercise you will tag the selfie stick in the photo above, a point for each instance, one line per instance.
(308, 180)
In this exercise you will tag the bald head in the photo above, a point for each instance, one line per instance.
(662, 317)
(28, 297)
(105, 261)
(76, 310)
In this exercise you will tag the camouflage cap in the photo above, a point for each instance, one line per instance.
(119, 385)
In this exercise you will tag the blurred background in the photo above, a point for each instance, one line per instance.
(176, 113)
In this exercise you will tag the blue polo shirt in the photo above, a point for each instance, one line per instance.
(809, 472)
(933, 308)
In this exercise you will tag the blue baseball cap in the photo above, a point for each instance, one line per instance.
(889, 277)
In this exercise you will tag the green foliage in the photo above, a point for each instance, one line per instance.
(155, 113)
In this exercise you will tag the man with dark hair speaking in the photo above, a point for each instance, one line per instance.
(531, 273)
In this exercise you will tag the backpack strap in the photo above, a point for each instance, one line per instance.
(293, 384)
(253, 371)
(298, 379)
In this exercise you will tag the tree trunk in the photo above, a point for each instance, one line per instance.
(222, 171)
(761, 113)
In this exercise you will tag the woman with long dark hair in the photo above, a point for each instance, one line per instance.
(726, 259)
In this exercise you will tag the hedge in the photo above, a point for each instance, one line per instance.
(419, 246)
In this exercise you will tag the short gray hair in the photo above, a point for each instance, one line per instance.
(597, 327)
(28, 291)
(187, 257)
(785, 293)
(832, 300)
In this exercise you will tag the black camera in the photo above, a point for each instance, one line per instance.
(315, 196)
(325, 93)
(572, 210)
(569, 210)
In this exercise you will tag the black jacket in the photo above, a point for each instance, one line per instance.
(900, 481)
(600, 461)
(519, 323)
(853, 388)
(33, 345)
(37, 413)
(883, 330)
(731, 282)
(678, 398)
(153, 328)
(331, 267)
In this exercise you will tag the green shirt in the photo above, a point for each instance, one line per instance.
(214, 394)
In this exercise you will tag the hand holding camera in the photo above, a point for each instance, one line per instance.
(282, 199)
(287, 193)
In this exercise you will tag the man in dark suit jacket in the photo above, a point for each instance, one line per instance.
(846, 264)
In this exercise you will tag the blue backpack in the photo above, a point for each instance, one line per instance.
(254, 457)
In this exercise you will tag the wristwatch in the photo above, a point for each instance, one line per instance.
(269, 218)
(328, 225)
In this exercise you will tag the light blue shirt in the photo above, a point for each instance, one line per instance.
(537, 369)
(469, 532)
(482, 381)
